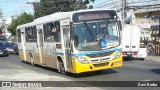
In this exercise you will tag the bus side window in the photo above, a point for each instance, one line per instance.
(34, 34)
(19, 35)
(26, 33)
(30, 34)
(49, 37)
(57, 33)
(45, 32)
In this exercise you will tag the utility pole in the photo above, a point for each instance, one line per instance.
(124, 11)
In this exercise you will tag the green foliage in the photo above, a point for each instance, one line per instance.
(22, 19)
(46, 7)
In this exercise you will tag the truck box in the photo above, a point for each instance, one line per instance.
(130, 40)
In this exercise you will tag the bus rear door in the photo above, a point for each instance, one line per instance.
(40, 44)
(23, 39)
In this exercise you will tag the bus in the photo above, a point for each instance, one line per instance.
(76, 42)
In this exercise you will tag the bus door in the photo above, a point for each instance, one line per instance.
(23, 40)
(66, 43)
(40, 43)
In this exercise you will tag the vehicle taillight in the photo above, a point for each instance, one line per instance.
(135, 53)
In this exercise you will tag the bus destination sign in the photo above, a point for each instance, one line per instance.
(94, 16)
(91, 16)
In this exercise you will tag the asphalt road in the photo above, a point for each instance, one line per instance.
(11, 68)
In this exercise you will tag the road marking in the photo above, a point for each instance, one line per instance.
(141, 66)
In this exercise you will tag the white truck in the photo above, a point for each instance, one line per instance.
(130, 41)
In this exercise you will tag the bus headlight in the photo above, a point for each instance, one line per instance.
(82, 60)
(117, 55)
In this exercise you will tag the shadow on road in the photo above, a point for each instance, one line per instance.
(42, 67)
(92, 74)
(157, 70)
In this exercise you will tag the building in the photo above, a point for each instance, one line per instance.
(4, 23)
(147, 22)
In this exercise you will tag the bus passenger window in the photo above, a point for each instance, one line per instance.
(49, 27)
(29, 35)
(53, 32)
(19, 35)
(26, 33)
(34, 34)
(57, 33)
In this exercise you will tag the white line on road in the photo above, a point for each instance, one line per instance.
(140, 66)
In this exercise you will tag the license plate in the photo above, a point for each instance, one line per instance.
(129, 53)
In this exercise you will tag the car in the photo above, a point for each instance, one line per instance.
(16, 49)
(3, 50)
(10, 47)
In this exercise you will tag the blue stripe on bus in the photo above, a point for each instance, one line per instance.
(87, 53)
(98, 52)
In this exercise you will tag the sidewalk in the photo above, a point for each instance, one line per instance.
(153, 58)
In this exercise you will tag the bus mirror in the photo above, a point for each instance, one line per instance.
(120, 25)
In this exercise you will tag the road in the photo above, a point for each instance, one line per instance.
(11, 68)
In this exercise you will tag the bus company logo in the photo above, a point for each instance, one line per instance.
(6, 84)
(100, 59)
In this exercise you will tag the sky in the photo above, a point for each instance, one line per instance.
(16, 7)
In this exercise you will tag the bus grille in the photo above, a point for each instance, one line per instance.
(99, 55)
(101, 64)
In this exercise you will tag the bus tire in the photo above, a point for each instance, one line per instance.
(62, 68)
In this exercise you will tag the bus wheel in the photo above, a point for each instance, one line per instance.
(32, 61)
(61, 67)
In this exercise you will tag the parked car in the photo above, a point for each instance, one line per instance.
(10, 47)
(16, 49)
(3, 50)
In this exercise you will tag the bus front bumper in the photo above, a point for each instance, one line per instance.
(80, 68)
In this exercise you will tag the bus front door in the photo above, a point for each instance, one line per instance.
(67, 47)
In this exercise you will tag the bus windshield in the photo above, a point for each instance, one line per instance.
(93, 36)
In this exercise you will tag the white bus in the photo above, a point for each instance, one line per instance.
(76, 41)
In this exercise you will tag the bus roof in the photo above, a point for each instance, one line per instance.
(55, 17)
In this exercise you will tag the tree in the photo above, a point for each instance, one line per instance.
(22, 19)
(46, 7)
